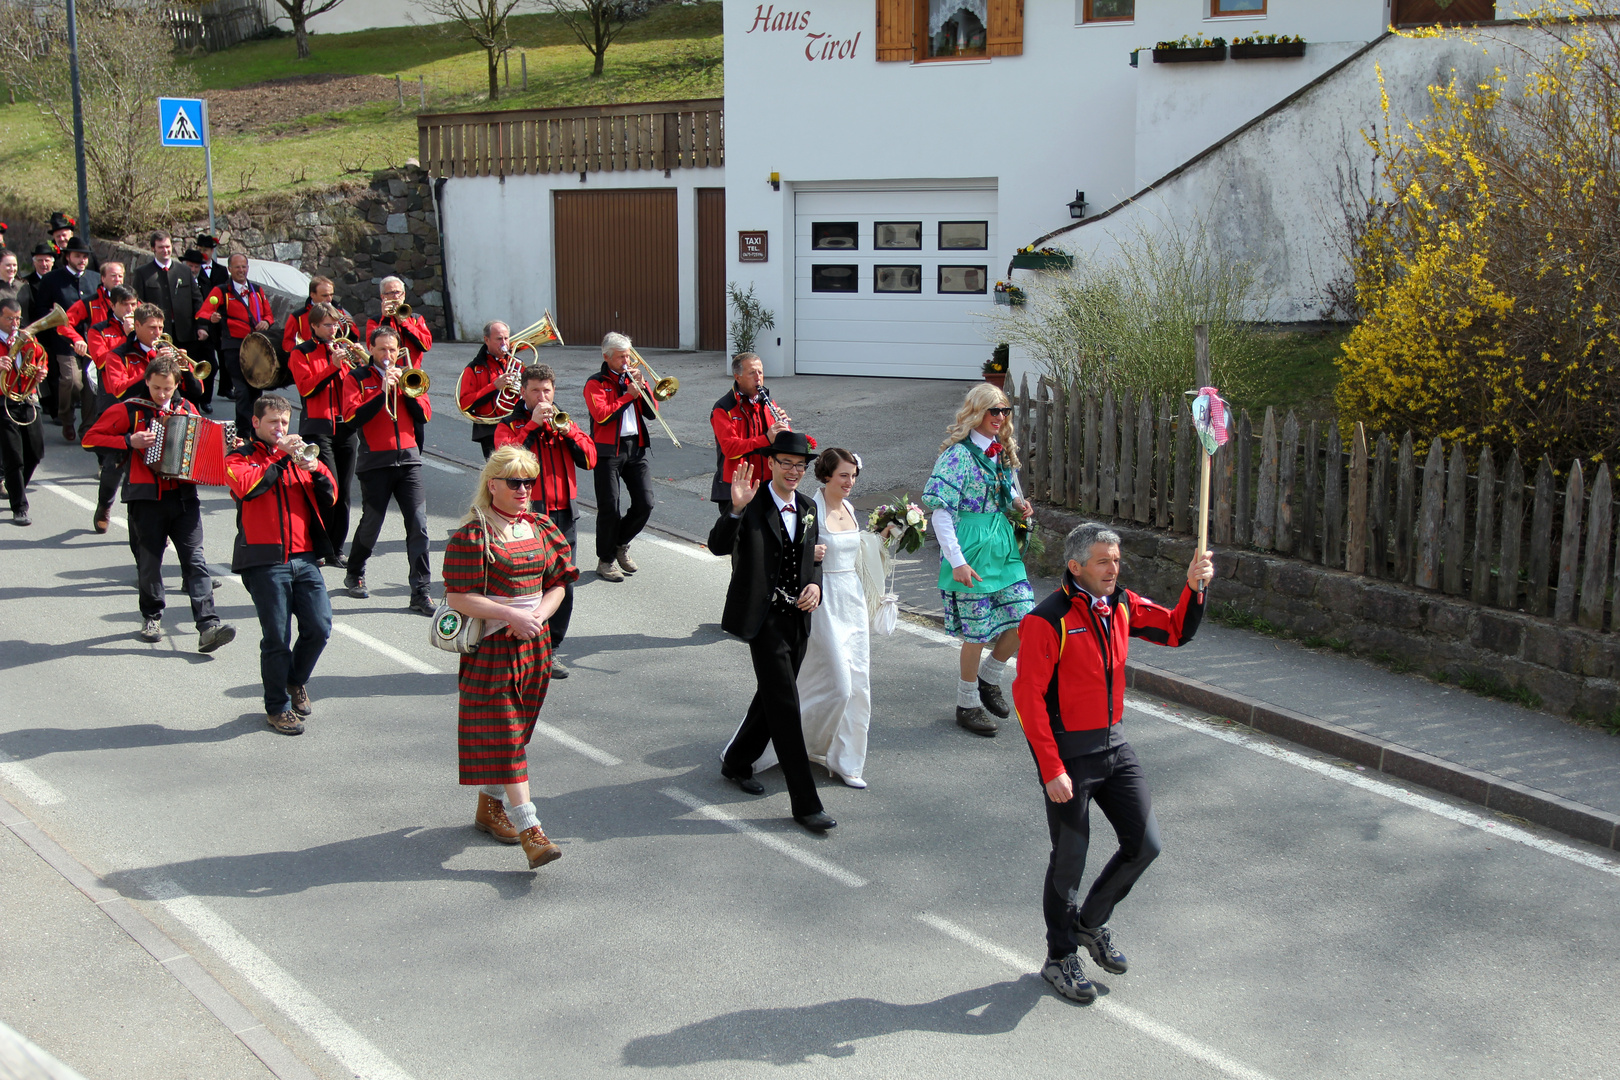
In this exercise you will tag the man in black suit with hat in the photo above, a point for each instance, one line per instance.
(203, 348)
(63, 229)
(775, 585)
(211, 274)
(68, 284)
(168, 282)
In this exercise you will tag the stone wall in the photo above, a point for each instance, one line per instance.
(1574, 671)
(356, 234)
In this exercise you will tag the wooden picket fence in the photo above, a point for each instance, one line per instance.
(1394, 512)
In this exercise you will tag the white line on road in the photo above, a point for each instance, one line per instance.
(435, 463)
(928, 633)
(28, 782)
(770, 840)
(578, 746)
(1389, 791)
(309, 1012)
(79, 500)
(396, 655)
(691, 551)
(1122, 1014)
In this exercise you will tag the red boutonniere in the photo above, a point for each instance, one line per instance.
(811, 439)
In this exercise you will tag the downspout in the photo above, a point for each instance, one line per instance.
(444, 258)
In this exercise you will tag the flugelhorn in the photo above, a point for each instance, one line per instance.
(561, 421)
(402, 310)
(200, 368)
(350, 351)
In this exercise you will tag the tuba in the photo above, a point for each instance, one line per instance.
(22, 382)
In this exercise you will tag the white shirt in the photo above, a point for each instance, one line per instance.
(789, 511)
(164, 266)
(945, 527)
(628, 426)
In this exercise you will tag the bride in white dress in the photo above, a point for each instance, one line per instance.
(835, 694)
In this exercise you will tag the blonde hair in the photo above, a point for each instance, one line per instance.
(982, 398)
(507, 461)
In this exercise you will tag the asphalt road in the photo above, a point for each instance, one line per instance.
(1303, 920)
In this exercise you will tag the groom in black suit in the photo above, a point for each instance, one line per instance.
(775, 585)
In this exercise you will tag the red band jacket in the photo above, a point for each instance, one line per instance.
(384, 440)
(476, 391)
(242, 314)
(113, 368)
(739, 432)
(132, 357)
(558, 454)
(414, 336)
(319, 376)
(1070, 688)
(112, 430)
(607, 395)
(278, 505)
(82, 315)
(297, 328)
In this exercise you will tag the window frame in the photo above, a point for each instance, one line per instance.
(877, 274)
(816, 245)
(920, 11)
(1086, 15)
(939, 280)
(1215, 11)
(855, 275)
(939, 236)
(876, 225)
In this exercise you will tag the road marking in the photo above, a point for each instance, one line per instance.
(1389, 791)
(435, 463)
(770, 840)
(385, 649)
(309, 1012)
(1122, 1014)
(690, 550)
(79, 500)
(928, 633)
(578, 746)
(28, 782)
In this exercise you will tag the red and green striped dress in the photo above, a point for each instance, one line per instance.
(504, 683)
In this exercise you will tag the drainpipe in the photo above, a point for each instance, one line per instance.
(444, 259)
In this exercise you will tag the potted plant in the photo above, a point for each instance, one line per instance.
(995, 368)
(1047, 258)
(1190, 49)
(1267, 46)
(1009, 295)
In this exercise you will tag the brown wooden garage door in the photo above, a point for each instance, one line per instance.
(711, 267)
(617, 266)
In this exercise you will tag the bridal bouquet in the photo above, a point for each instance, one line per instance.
(909, 522)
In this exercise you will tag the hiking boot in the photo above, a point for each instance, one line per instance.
(1068, 978)
(300, 700)
(990, 695)
(20, 517)
(1100, 944)
(356, 586)
(211, 638)
(151, 631)
(624, 560)
(491, 818)
(284, 723)
(422, 604)
(606, 571)
(538, 848)
(976, 721)
(559, 670)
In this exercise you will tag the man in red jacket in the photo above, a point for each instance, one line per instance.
(22, 445)
(318, 367)
(1070, 697)
(390, 465)
(161, 509)
(617, 398)
(745, 423)
(412, 330)
(279, 541)
(560, 446)
(483, 381)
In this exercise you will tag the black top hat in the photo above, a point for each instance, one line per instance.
(206, 241)
(44, 249)
(793, 443)
(60, 220)
(76, 243)
(193, 256)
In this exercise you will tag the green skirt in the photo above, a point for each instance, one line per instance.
(990, 548)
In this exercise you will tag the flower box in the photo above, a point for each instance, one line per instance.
(1029, 260)
(1270, 51)
(1189, 56)
(1007, 299)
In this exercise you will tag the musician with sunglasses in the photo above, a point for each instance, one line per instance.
(317, 367)
(22, 442)
(482, 382)
(560, 446)
(390, 464)
(160, 509)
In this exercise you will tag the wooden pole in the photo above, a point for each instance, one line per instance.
(1203, 502)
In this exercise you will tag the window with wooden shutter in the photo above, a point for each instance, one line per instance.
(1006, 27)
(896, 27)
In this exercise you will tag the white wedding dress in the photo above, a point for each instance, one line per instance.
(835, 691)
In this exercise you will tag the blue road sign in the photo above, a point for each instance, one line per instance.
(183, 121)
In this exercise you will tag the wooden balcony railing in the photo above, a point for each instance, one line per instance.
(591, 138)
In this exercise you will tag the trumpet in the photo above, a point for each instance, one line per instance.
(401, 310)
(561, 421)
(200, 368)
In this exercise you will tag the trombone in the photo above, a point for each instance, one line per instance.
(662, 390)
(413, 383)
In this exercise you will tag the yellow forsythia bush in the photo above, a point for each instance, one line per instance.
(1488, 274)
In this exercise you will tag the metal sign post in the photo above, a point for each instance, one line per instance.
(184, 122)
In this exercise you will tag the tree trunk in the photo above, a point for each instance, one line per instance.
(494, 72)
(596, 68)
(301, 37)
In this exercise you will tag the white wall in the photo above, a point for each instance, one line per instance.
(498, 243)
(1061, 117)
(353, 15)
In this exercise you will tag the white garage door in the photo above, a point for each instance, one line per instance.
(887, 282)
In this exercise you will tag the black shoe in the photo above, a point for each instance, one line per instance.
(356, 586)
(422, 604)
(207, 408)
(217, 584)
(20, 517)
(221, 633)
(976, 721)
(747, 783)
(990, 695)
(1100, 944)
(819, 821)
(336, 560)
(559, 670)
(1068, 978)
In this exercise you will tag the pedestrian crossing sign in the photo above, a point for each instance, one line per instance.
(183, 121)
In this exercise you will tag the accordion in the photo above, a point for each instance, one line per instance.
(188, 448)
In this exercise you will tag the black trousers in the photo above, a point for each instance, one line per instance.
(773, 715)
(21, 448)
(111, 471)
(204, 350)
(564, 520)
(613, 529)
(402, 484)
(338, 453)
(155, 522)
(1112, 779)
(483, 435)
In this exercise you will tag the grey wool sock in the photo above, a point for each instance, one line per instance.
(967, 694)
(523, 816)
(991, 670)
(495, 791)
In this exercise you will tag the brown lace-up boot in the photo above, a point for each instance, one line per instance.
(491, 818)
(539, 849)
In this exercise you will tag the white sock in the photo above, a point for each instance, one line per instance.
(495, 791)
(523, 816)
(967, 694)
(991, 670)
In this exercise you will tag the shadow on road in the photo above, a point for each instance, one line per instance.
(792, 1036)
(25, 744)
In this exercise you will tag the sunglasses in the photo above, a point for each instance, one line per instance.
(998, 412)
(518, 483)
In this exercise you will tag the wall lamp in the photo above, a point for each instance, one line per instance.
(1077, 209)
(776, 181)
